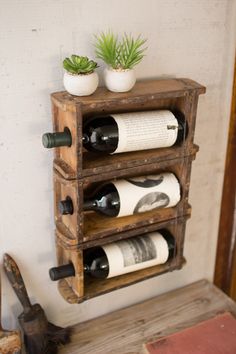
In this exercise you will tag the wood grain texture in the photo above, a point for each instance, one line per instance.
(125, 331)
(68, 241)
(146, 88)
(96, 165)
(225, 267)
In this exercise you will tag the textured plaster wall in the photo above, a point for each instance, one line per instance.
(186, 38)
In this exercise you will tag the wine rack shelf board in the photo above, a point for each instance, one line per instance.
(131, 163)
(79, 288)
(87, 226)
(70, 112)
(145, 90)
(66, 240)
(96, 165)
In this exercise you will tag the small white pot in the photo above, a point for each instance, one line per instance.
(119, 80)
(80, 85)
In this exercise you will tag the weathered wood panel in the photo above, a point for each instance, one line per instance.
(125, 331)
(147, 89)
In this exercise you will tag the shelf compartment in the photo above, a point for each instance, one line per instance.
(86, 226)
(70, 111)
(84, 288)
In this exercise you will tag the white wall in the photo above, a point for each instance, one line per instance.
(186, 38)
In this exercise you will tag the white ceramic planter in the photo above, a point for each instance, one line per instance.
(119, 80)
(80, 85)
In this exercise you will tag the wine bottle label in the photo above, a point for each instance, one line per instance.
(141, 194)
(145, 130)
(136, 253)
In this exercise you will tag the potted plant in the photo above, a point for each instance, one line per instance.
(80, 79)
(121, 56)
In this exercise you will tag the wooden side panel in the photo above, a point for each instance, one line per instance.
(65, 256)
(68, 156)
(72, 189)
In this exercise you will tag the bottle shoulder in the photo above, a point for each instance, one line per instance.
(98, 121)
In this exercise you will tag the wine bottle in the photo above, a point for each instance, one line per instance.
(133, 131)
(130, 196)
(126, 132)
(122, 257)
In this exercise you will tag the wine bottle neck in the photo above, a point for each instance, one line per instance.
(90, 204)
(103, 138)
(65, 271)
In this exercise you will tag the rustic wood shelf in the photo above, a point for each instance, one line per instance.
(69, 111)
(77, 173)
(91, 225)
(82, 288)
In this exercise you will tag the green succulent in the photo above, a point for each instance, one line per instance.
(123, 54)
(79, 65)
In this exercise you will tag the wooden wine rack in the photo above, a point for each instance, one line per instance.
(78, 172)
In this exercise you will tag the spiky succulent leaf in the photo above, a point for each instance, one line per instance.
(79, 65)
(106, 48)
(131, 52)
(124, 54)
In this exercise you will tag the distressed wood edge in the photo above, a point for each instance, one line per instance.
(66, 172)
(68, 241)
(70, 296)
(71, 101)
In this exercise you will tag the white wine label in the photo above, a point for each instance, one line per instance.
(141, 194)
(136, 253)
(145, 130)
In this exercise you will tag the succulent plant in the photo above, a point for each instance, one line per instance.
(123, 54)
(79, 65)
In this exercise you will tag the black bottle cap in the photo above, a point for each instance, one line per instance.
(56, 139)
(62, 272)
(66, 206)
(48, 140)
